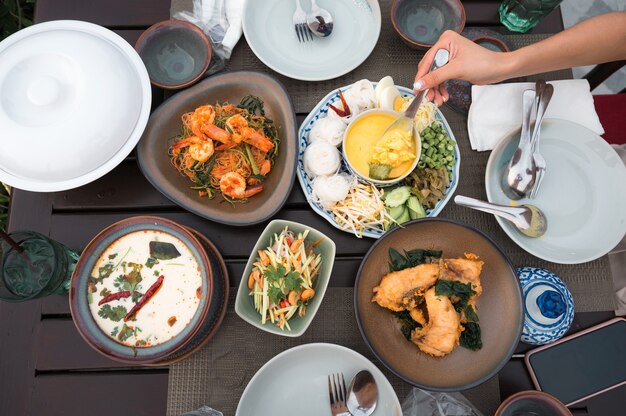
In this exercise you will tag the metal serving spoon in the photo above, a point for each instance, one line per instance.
(528, 219)
(518, 176)
(319, 21)
(362, 394)
(544, 92)
(405, 122)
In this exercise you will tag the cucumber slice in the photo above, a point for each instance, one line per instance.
(398, 196)
(404, 217)
(396, 212)
(415, 208)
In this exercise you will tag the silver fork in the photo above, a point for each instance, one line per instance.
(299, 24)
(338, 395)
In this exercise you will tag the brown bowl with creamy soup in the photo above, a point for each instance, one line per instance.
(141, 290)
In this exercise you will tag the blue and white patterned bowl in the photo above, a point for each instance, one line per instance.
(306, 182)
(548, 306)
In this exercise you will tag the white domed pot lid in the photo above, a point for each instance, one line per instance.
(74, 101)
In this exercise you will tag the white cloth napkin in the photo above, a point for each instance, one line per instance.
(497, 109)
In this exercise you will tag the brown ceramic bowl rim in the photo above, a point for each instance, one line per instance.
(478, 381)
(288, 136)
(141, 43)
(492, 39)
(531, 394)
(394, 6)
(78, 320)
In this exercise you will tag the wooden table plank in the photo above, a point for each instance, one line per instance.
(56, 335)
(97, 394)
(110, 13)
(233, 242)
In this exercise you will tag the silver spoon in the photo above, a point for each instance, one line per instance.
(518, 176)
(319, 21)
(405, 122)
(362, 394)
(528, 219)
(546, 91)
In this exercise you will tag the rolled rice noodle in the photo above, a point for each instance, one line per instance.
(321, 159)
(360, 96)
(328, 190)
(328, 129)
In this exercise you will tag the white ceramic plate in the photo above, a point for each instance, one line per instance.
(74, 100)
(306, 182)
(269, 30)
(583, 193)
(295, 382)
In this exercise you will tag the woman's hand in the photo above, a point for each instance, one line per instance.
(468, 61)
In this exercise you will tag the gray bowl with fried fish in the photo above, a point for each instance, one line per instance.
(439, 304)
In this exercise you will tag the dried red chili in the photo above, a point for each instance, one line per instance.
(346, 110)
(116, 296)
(145, 298)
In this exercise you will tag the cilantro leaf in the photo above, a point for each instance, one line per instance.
(136, 296)
(275, 294)
(129, 281)
(114, 332)
(151, 262)
(274, 274)
(126, 332)
(115, 314)
(104, 272)
(112, 256)
(292, 281)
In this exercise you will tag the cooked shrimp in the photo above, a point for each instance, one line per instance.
(233, 185)
(200, 149)
(238, 125)
(203, 115)
(216, 133)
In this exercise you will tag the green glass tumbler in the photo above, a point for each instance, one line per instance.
(523, 15)
(42, 267)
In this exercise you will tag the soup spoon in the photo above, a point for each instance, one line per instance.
(406, 122)
(362, 394)
(319, 21)
(528, 219)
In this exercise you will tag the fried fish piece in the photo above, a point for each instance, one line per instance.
(418, 316)
(441, 334)
(398, 290)
(464, 271)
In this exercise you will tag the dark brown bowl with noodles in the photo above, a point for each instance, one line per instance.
(224, 149)
(439, 304)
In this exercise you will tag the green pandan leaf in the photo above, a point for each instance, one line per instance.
(163, 251)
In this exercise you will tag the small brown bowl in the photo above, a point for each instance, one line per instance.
(532, 402)
(79, 293)
(176, 53)
(420, 22)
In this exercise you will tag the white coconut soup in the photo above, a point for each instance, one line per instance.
(154, 273)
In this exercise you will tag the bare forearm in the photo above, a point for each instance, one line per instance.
(594, 41)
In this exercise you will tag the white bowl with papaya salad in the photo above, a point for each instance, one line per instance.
(285, 278)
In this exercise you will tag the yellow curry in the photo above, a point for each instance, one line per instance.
(362, 146)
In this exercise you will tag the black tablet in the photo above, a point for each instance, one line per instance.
(582, 365)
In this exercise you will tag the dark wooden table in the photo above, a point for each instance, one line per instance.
(47, 369)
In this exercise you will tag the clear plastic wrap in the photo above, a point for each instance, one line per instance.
(221, 21)
(425, 403)
(204, 411)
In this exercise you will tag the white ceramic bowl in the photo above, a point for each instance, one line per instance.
(74, 100)
(418, 145)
